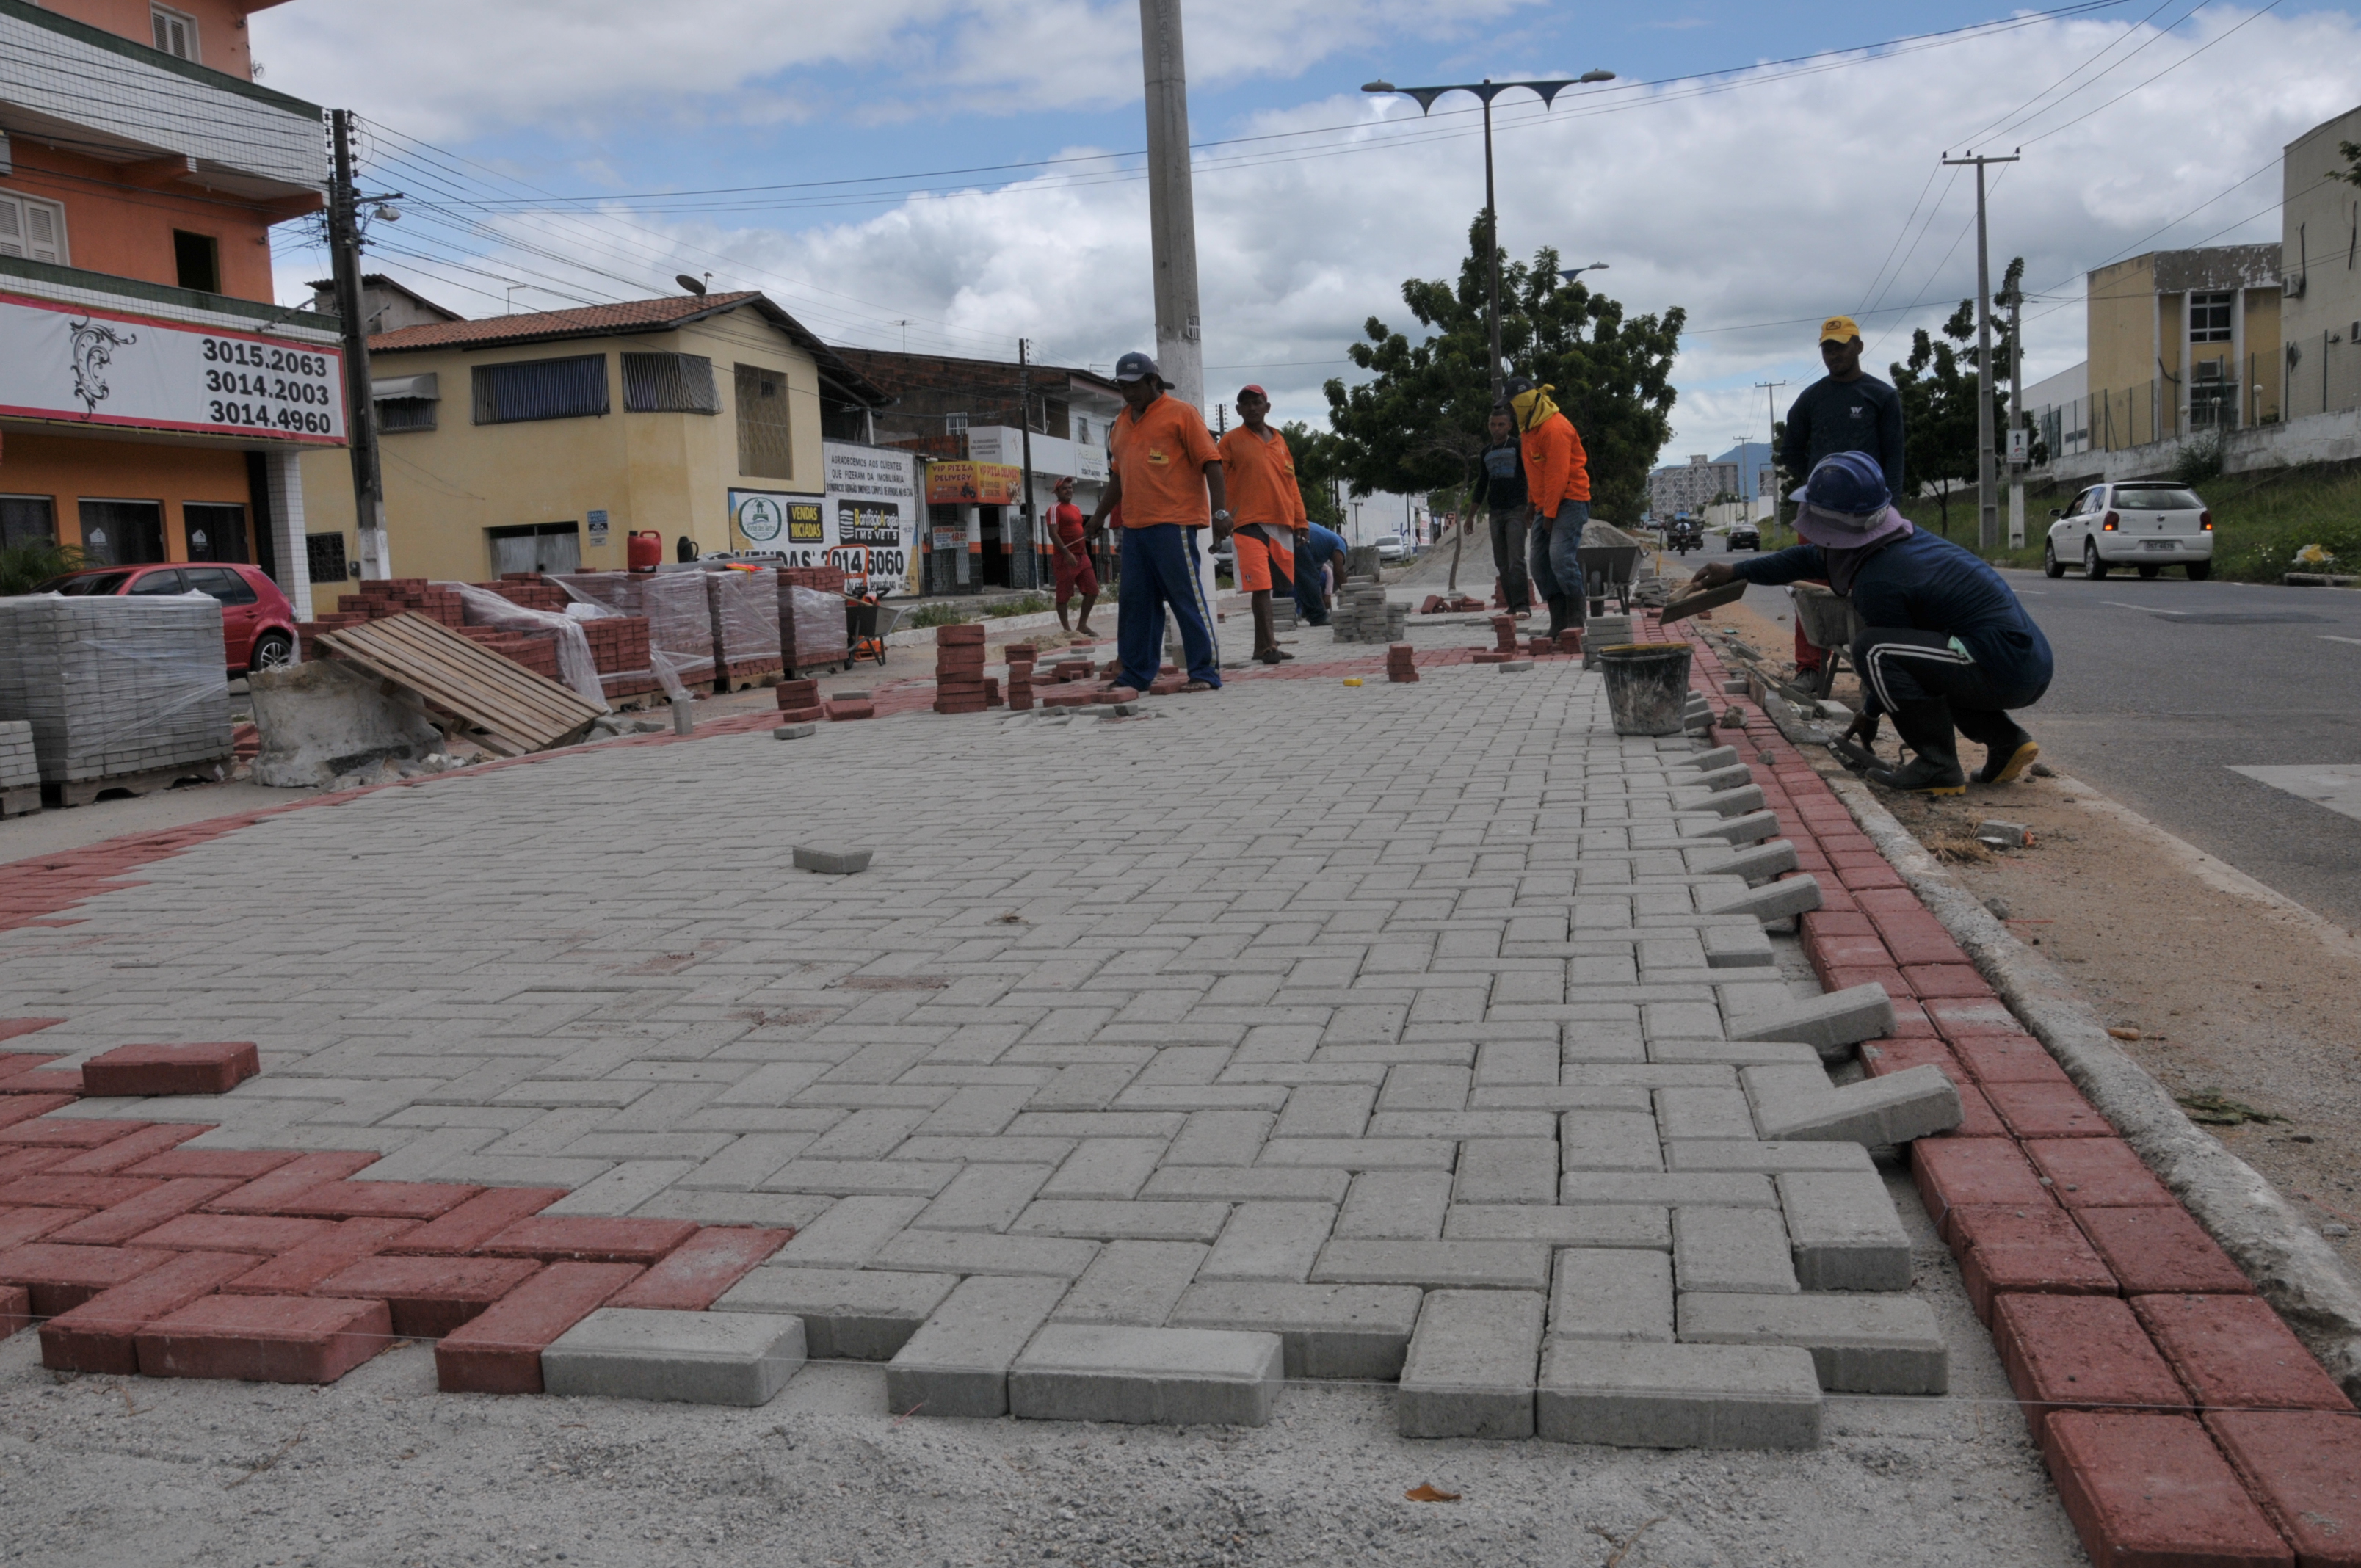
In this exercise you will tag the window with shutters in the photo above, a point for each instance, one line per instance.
(669, 383)
(176, 31)
(571, 387)
(765, 448)
(32, 228)
(397, 414)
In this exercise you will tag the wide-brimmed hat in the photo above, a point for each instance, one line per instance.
(1846, 503)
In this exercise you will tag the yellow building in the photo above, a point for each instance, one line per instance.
(2184, 341)
(541, 442)
(2320, 227)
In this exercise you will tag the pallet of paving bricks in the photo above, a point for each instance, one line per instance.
(743, 606)
(115, 689)
(20, 770)
(675, 605)
(812, 630)
(517, 710)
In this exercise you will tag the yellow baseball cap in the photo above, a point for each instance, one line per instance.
(1836, 329)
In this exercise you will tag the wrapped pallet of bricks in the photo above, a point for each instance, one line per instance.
(20, 770)
(744, 606)
(116, 686)
(679, 616)
(958, 669)
(812, 634)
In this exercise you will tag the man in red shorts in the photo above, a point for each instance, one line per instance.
(1071, 535)
(1267, 506)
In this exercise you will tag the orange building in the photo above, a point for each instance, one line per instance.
(153, 399)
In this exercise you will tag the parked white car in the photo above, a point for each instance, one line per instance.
(2147, 527)
(1393, 547)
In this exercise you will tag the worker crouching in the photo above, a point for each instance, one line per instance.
(1947, 648)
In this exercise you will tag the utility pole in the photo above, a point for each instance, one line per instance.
(360, 408)
(1770, 391)
(1025, 443)
(1172, 222)
(2016, 413)
(1987, 501)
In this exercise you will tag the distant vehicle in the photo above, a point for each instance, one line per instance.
(1685, 535)
(2147, 527)
(258, 623)
(1393, 548)
(1744, 536)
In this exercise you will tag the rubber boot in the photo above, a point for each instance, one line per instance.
(1934, 765)
(1558, 613)
(2009, 750)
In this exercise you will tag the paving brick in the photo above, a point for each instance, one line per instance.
(586, 1239)
(960, 1252)
(1696, 1113)
(693, 1275)
(2000, 1057)
(957, 1364)
(1497, 1265)
(264, 1339)
(1958, 1019)
(1732, 1188)
(1609, 1140)
(1619, 1294)
(1798, 1104)
(16, 1311)
(18, 1226)
(246, 1165)
(2047, 1111)
(1277, 1242)
(2151, 1489)
(1132, 1283)
(1832, 1024)
(1399, 1205)
(379, 1200)
(118, 1156)
(301, 1266)
(1359, 1332)
(1563, 1224)
(112, 1227)
(697, 1357)
(16, 1109)
(1860, 1344)
(2096, 1173)
(208, 1068)
(1470, 1368)
(1956, 1173)
(1163, 1222)
(1768, 1158)
(1508, 1170)
(1235, 1184)
(2158, 1249)
(1221, 1138)
(97, 1336)
(59, 1278)
(850, 1234)
(1732, 1249)
(429, 1296)
(51, 1191)
(2234, 1353)
(2304, 1468)
(2028, 1249)
(985, 1198)
(1733, 1053)
(2079, 1352)
(1844, 1231)
(19, 1162)
(469, 1224)
(257, 1235)
(1678, 1396)
(499, 1351)
(1172, 1376)
(1776, 900)
(1362, 1153)
(1106, 1169)
(848, 1314)
(268, 1194)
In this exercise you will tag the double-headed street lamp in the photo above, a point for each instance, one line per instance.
(1488, 90)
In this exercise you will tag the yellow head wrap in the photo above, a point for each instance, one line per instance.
(1533, 407)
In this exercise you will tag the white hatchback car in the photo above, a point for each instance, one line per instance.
(2147, 527)
(1393, 547)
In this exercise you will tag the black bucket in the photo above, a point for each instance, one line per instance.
(1647, 686)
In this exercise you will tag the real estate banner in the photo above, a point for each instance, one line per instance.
(88, 366)
(866, 523)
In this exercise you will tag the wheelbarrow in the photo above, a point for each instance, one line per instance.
(1606, 568)
(1827, 622)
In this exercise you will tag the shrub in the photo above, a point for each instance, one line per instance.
(24, 568)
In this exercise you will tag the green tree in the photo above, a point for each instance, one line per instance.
(1414, 426)
(1938, 385)
(2352, 172)
(1320, 466)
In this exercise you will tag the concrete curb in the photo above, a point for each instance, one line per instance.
(2294, 1268)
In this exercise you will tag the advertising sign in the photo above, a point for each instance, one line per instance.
(866, 523)
(106, 369)
(974, 484)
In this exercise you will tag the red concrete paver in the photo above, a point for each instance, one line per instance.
(44, 1080)
(10, 1028)
(478, 1219)
(2080, 1352)
(379, 1200)
(1960, 1018)
(271, 1194)
(16, 1109)
(2009, 1059)
(71, 1135)
(586, 1239)
(2149, 1491)
(75, 1191)
(695, 1274)
(265, 1338)
(98, 1335)
(2234, 1353)
(117, 1224)
(244, 1164)
(2028, 1249)
(18, 1226)
(2096, 1173)
(111, 1159)
(16, 1311)
(62, 1277)
(499, 1352)
(211, 1068)
(2304, 1468)
(2047, 1111)
(31, 1162)
(258, 1235)
(1930, 981)
(429, 1296)
(2161, 1249)
(1955, 1173)
(296, 1270)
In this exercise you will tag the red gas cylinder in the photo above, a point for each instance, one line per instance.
(646, 549)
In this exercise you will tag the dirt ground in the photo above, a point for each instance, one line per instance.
(2240, 1005)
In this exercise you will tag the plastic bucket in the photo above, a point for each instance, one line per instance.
(1647, 686)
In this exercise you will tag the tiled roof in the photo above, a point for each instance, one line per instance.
(539, 326)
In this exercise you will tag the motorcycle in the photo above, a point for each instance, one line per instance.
(1686, 536)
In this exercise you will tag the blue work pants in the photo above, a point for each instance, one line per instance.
(1554, 569)
(1160, 571)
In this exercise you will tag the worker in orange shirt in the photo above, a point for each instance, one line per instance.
(1165, 472)
(1268, 507)
(1069, 539)
(1557, 486)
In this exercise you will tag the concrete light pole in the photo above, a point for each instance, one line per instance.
(1172, 223)
(1987, 501)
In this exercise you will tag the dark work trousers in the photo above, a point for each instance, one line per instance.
(1901, 667)
(1509, 525)
(1308, 601)
(1160, 574)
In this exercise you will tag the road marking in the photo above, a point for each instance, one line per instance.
(2336, 785)
(2325, 637)
(2150, 608)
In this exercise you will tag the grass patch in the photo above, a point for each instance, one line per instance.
(1031, 604)
(938, 615)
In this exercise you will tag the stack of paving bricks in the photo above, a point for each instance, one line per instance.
(20, 768)
(1363, 615)
(1504, 641)
(675, 605)
(959, 668)
(1401, 663)
(1021, 659)
(812, 631)
(618, 646)
(114, 687)
(847, 705)
(827, 579)
(530, 589)
(799, 701)
(743, 606)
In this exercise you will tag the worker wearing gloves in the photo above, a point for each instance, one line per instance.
(1946, 645)
(1557, 491)
(1166, 473)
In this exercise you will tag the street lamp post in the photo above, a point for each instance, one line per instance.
(1488, 90)
(1571, 273)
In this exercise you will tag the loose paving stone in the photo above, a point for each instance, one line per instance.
(1624, 1294)
(1845, 1232)
(1895, 1109)
(99, 1335)
(212, 1069)
(499, 1351)
(1359, 1332)
(848, 1314)
(703, 1358)
(264, 1339)
(1176, 1377)
(1860, 1344)
(957, 1364)
(1678, 1396)
(1470, 1368)
(1832, 1024)
(1744, 1250)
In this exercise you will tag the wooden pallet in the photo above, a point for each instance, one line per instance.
(515, 710)
(82, 792)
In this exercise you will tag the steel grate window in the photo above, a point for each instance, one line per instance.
(669, 383)
(326, 551)
(766, 444)
(571, 387)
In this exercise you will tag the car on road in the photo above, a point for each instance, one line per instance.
(1743, 536)
(258, 623)
(1393, 548)
(2146, 525)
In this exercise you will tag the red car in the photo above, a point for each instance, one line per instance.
(258, 623)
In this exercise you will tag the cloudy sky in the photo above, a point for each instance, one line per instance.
(955, 174)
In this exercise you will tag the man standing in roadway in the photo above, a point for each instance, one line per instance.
(1162, 466)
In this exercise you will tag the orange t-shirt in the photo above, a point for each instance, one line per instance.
(1556, 469)
(1260, 475)
(1159, 457)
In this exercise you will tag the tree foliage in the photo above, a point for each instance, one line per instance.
(1319, 464)
(1415, 425)
(1938, 385)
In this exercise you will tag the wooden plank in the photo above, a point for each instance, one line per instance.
(421, 673)
(486, 690)
(500, 679)
(512, 683)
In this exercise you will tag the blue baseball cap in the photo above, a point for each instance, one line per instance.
(1135, 366)
(1846, 503)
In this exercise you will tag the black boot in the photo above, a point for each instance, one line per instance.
(1558, 613)
(1934, 766)
(2009, 750)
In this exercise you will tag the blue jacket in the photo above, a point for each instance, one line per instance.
(1927, 582)
(1324, 543)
